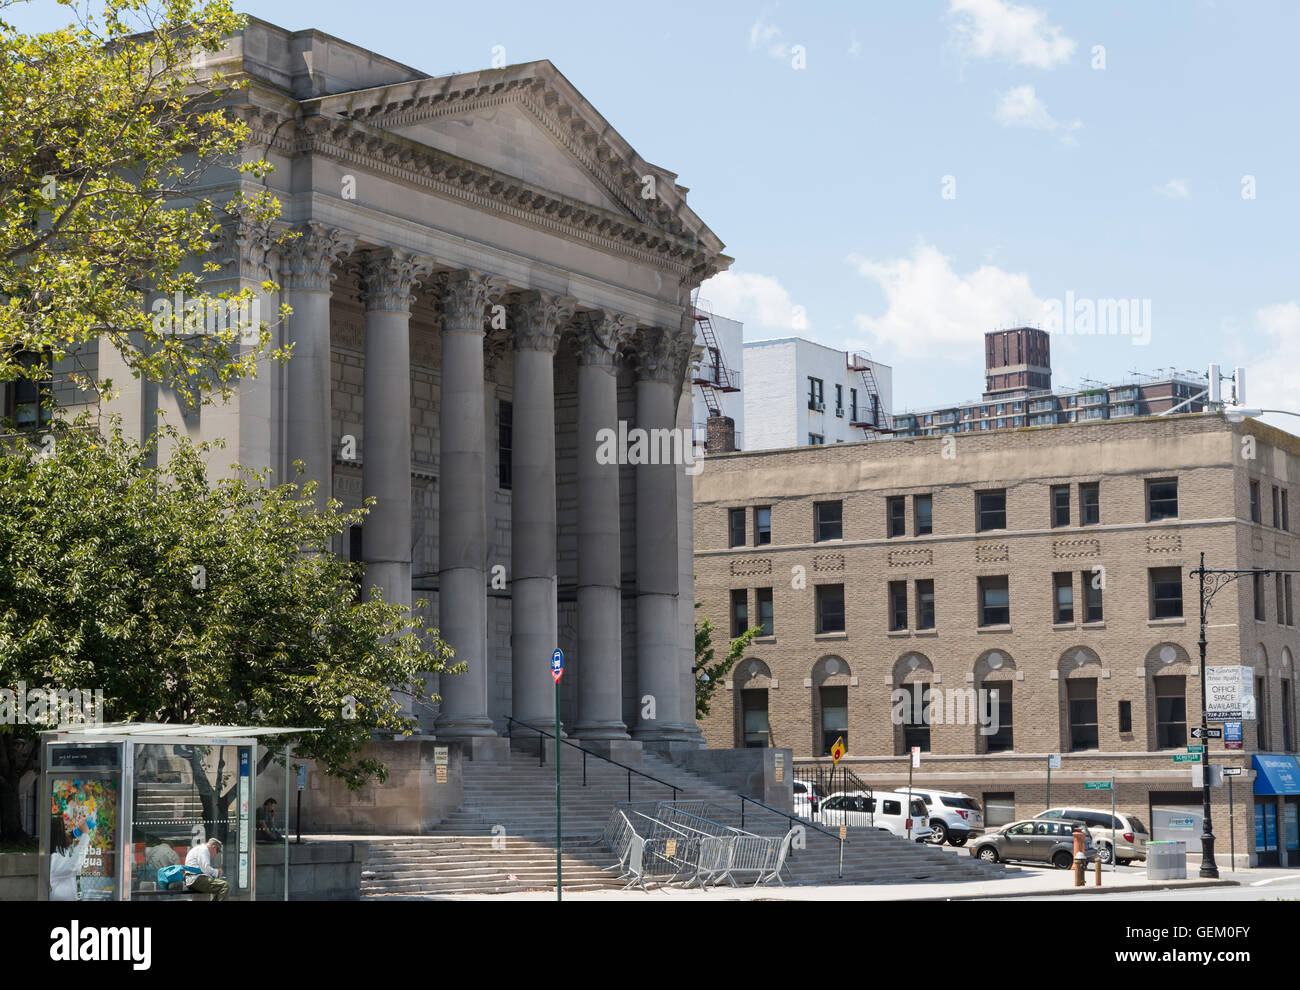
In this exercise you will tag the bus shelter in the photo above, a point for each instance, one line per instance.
(124, 800)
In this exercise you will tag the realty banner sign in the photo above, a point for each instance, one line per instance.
(1229, 693)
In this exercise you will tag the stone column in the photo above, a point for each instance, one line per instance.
(662, 358)
(462, 510)
(388, 278)
(600, 551)
(534, 319)
(307, 263)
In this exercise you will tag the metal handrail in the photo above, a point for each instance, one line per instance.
(541, 757)
(793, 819)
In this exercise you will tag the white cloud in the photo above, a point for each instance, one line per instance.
(1021, 106)
(1017, 35)
(758, 301)
(1273, 371)
(1174, 189)
(934, 311)
(767, 37)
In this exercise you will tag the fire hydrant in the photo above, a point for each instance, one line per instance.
(1079, 859)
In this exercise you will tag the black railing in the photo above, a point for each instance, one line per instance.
(541, 757)
(827, 779)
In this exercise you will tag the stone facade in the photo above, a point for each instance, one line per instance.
(1121, 654)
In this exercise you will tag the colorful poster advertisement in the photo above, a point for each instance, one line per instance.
(83, 839)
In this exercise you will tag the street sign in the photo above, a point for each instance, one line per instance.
(1054, 761)
(1195, 748)
(1229, 692)
(302, 777)
(1096, 785)
(916, 756)
(1232, 771)
(1215, 775)
(1187, 757)
(1232, 735)
(1199, 733)
(838, 750)
(557, 665)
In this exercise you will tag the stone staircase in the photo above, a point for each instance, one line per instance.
(502, 839)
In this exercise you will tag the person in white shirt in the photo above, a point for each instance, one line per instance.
(208, 879)
(67, 856)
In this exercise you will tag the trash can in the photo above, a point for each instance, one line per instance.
(1166, 860)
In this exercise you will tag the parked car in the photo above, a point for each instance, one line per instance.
(880, 809)
(1035, 840)
(807, 796)
(954, 817)
(1131, 835)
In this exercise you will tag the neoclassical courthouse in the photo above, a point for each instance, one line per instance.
(487, 276)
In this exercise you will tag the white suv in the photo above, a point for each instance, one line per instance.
(807, 797)
(954, 817)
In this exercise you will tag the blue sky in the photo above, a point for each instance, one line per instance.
(826, 181)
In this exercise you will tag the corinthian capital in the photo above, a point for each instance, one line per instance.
(536, 318)
(600, 334)
(247, 248)
(466, 295)
(308, 259)
(389, 277)
(662, 355)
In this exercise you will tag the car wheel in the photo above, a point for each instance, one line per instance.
(958, 840)
(1062, 860)
(940, 834)
(1103, 852)
(988, 854)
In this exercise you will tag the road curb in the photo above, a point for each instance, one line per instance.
(1197, 885)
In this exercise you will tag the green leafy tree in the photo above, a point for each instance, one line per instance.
(716, 670)
(113, 129)
(185, 601)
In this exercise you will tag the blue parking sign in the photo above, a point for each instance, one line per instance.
(557, 665)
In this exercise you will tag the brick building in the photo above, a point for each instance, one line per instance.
(1049, 563)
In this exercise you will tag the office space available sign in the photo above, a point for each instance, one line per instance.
(1229, 693)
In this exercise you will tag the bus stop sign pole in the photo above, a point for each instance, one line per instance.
(557, 671)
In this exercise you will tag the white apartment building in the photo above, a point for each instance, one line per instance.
(718, 379)
(798, 392)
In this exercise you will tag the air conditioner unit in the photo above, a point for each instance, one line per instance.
(840, 412)
(821, 407)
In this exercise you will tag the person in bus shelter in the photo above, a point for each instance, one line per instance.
(68, 854)
(266, 831)
(207, 879)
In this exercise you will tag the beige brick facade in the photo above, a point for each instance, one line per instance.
(1213, 463)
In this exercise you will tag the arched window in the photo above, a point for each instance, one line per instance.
(910, 704)
(830, 696)
(750, 684)
(995, 677)
(1079, 671)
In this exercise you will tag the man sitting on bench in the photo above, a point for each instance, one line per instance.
(208, 879)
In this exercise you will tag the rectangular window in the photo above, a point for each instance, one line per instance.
(355, 555)
(754, 718)
(1092, 611)
(1001, 741)
(896, 513)
(1254, 502)
(1162, 500)
(853, 405)
(995, 601)
(1125, 716)
(1062, 597)
(839, 399)
(990, 510)
(916, 717)
(739, 611)
(828, 521)
(815, 439)
(1171, 712)
(897, 605)
(762, 526)
(923, 506)
(1261, 715)
(28, 399)
(1166, 590)
(505, 444)
(830, 608)
(766, 617)
(1286, 717)
(736, 527)
(816, 397)
(1279, 599)
(1090, 504)
(1060, 505)
(1290, 618)
(835, 717)
(1286, 515)
(925, 604)
(1081, 697)
(1277, 508)
(1257, 589)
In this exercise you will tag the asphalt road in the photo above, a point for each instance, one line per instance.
(1256, 885)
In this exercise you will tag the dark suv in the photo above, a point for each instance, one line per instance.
(1036, 840)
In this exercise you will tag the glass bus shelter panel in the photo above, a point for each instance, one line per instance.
(83, 830)
(184, 795)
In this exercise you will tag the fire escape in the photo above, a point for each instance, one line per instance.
(870, 416)
(713, 377)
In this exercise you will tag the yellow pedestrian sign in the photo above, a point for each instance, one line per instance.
(838, 750)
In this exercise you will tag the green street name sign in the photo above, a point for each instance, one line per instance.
(1187, 757)
(1195, 748)
(1097, 785)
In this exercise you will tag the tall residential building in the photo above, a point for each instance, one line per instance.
(800, 393)
(1051, 565)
